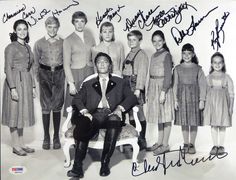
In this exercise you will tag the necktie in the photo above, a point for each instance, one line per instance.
(104, 99)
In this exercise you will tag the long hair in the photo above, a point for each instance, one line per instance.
(107, 24)
(13, 36)
(161, 34)
(189, 47)
(223, 60)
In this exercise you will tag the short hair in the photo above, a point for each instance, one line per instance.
(52, 20)
(136, 33)
(13, 36)
(79, 14)
(107, 24)
(101, 54)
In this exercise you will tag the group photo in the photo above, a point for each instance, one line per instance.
(117, 89)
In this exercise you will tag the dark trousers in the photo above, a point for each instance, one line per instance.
(51, 85)
(101, 120)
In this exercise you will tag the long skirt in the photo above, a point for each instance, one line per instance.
(216, 111)
(156, 112)
(188, 113)
(19, 113)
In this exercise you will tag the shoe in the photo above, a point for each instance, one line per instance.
(71, 173)
(56, 143)
(46, 144)
(161, 149)
(21, 152)
(191, 149)
(105, 170)
(185, 148)
(221, 150)
(214, 150)
(77, 171)
(28, 150)
(153, 147)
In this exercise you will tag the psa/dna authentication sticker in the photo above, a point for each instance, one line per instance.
(17, 170)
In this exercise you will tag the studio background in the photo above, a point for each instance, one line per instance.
(200, 39)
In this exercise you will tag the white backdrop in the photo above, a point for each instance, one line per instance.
(211, 18)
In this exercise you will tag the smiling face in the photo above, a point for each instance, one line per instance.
(217, 63)
(133, 42)
(79, 24)
(52, 29)
(102, 65)
(107, 33)
(158, 42)
(21, 31)
(187, 56)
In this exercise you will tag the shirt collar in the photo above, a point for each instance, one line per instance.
(107, 78)
(47, 37)
(136, 49)
(80, 34)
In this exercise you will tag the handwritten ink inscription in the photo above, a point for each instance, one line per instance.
(7, 16)
(216, 38)
(161, 162)
(159, 19)
(33, 16)
(179, 35)
(109, 14)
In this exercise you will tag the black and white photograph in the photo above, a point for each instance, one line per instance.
(118, 89)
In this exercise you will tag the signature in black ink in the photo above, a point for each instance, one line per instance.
(215, 41)
(33, 16)
(109, 14)
(161, 162)
(29, 13)
(7, 16)
(58, 12)
(34, 20)
(179, 35)
(160, 20)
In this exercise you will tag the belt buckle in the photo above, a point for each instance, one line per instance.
(53, 68)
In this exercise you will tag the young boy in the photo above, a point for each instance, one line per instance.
(48, 52)
(135, 68)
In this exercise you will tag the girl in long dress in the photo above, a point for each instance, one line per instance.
(190, 94)
(160, 94)
(219, 102)
(19, 87)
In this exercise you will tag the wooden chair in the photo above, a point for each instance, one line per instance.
(128, 135)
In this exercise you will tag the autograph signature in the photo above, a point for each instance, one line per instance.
(109, 14)
(33, 16)
(215, 41)
(179, 35)
(7, 16)
(160, 20)
(162, 162)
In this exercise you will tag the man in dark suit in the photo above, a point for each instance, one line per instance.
(100, 103)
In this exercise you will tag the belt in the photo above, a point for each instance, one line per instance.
(49, 68)
(21, 70)
(156, 77)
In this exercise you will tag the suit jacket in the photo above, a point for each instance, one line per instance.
(118, 93)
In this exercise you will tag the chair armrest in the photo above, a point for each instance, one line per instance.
(137, 123)
(65, 124)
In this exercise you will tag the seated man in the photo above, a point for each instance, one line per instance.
(100, 103)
